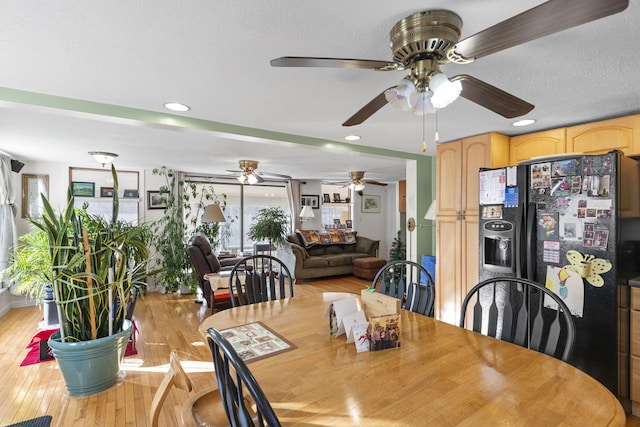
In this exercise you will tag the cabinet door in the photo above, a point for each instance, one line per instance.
(448, 178)
(448, 268)
(524, 147)
(622, 134)
(470, 254)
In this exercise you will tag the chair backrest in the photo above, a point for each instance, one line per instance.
(202, 257)
(176, 376)
(402, 279)
(259, 278)
(232, 384)
(523, 312)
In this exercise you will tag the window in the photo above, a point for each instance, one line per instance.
(242, 204)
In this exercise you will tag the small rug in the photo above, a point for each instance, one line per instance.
(39, 351)
(34, 422)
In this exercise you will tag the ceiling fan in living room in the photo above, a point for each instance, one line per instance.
(248, 173)
(426, 40)
(356, 181)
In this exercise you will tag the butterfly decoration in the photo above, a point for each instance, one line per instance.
(588, 266)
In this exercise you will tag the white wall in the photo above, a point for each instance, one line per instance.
(314, 188)
(377, 226)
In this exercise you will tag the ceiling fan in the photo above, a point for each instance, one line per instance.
(425, 40)
(250, 175)
(356, 181)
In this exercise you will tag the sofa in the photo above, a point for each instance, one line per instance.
(311, 254)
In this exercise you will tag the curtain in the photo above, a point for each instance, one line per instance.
(8, 232)
(295, 203)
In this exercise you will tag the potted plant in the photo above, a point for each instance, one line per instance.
(271, 225)
(96, 267)
(185, 203)
(30, 272)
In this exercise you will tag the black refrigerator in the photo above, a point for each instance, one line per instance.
(560, 221)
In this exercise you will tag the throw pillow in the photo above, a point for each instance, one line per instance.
(350, 237)
(309, 237)
(324, 237)
(337, 236)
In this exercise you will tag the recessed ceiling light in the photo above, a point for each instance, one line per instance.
(352, 137)
(525, 122)
(176, 106)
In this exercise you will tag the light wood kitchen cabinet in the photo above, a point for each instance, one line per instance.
(546, 143)
(622, 133)
(635, 350)
(457, 167)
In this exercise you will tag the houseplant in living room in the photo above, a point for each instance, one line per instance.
(29, 273)
(271, 225)
(185, 203)
(96, 267)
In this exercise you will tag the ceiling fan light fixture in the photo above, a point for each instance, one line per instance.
(356, 185)
(423, 105)
(402, 96)
(242, 178)
(252, 178)
(444, 90)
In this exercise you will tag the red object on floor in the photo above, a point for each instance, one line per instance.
(34, 355)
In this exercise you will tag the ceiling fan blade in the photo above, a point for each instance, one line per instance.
(274, 175)
(306, 61)
(547, 18)
(366, 181)
(368, 110)
(492, 98)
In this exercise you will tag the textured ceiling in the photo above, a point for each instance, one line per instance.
(214, 56)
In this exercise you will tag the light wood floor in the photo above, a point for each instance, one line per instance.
(166, 322)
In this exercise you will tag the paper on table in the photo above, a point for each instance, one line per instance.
(341, 308)
(351, 319)
(359, 331)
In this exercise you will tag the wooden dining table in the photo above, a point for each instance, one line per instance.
(441, 375)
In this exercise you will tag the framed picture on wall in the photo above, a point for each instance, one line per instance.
(326, 198)
(311, 200)
(83, 189)
(370, 204)
(155, 200)
(106, 191)
(130, 194)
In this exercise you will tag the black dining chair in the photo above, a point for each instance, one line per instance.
(233, 379)
(523, 312)
(259, 278)
(408, 281)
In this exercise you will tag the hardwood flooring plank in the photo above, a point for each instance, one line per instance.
(165, 322)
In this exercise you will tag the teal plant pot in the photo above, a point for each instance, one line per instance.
(89, 367)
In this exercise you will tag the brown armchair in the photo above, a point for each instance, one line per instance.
(205, 262)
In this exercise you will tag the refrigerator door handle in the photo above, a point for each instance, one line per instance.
(519, 250)
(529, 249)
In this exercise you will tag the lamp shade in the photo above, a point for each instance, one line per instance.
(431, 212)
(213, 213)
(307, 212)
